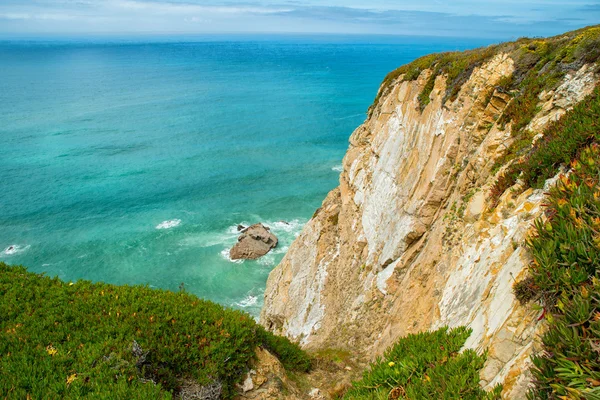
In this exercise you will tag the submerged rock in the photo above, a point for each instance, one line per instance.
(253, 243)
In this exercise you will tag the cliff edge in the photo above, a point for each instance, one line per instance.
(414, 238)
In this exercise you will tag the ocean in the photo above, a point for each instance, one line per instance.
(132, 161)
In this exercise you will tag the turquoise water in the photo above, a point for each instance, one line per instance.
(132, 162)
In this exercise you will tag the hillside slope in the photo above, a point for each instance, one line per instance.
(95, 340)
(427, 226)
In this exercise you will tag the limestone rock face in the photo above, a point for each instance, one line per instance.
(409, 242)
(253, 243)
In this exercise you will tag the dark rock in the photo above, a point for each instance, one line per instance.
(241, 228)
(253, 243)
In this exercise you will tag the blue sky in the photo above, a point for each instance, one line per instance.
(466, 18)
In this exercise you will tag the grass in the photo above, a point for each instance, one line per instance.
(565, 281)
(425, 366)
(76, 340)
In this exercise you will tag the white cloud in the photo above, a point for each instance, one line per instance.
(496, 18)
(179, 8)
(43, 16)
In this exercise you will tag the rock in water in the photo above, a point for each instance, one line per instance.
(253, 243)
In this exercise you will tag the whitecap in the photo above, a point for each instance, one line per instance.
(233, 229)
(249, 301)
(337, 168)
(172, 223)
(14, 249)
(225, 255)
(286, 226)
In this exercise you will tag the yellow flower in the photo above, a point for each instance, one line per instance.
(51, 350)
(391, 363)
(585, 293)
(71, 378)
(70, 283)
(562, 202)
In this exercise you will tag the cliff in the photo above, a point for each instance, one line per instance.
(416, 236)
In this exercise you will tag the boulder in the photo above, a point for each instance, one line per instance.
(254, 242)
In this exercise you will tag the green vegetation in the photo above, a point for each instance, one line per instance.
(540, 64)
(94, 340)
(457, 66)
(425, 366)
(565, 280)
(561, 143)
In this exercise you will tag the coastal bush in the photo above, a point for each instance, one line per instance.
(565, 276)
(95, 340)
(425, 366)
(539, 64)
(561, 143)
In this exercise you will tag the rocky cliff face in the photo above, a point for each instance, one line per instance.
(409, 240)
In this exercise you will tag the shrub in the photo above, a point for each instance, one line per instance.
(562, 141)
(566, 253)
(425, 365)
(83, 339)
(539, 65)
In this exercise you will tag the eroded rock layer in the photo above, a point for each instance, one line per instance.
(409, 240)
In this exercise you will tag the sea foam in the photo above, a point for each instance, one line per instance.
(249, 301)
(172, 223)
(225, 255)
(14, 249)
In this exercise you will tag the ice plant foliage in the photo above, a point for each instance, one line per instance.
(565, 273)
(427, 365)
(94, 340)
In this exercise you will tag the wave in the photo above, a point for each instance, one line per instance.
(15, 249)
(281, 227)
(249, 301)
(286, 232)
(172, 223)
(225, 254)
(337, 168)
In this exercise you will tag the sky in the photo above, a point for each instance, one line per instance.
(504, 19)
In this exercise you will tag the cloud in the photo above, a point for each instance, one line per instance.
(492, 18)
(179, 7)
(43, 17)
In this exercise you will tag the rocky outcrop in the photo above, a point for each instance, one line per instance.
(254, 242)
(409, 240)
(267, 380)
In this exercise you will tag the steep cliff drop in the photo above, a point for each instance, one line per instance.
(410, 240)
